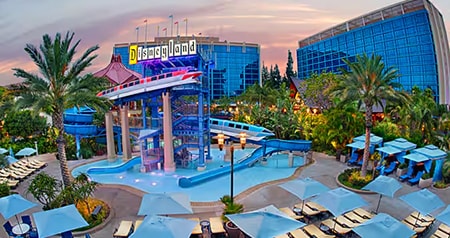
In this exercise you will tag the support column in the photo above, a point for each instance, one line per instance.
(110, 147)
(169, 164)
(126, 145)
(290, 159)
(201, 145)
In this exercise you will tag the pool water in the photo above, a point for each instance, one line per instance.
(158, 182)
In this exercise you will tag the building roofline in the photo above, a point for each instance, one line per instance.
(200, 39)
(381, 14)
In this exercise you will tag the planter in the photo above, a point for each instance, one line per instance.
(401, 172)
(232, 230)
(425, 183)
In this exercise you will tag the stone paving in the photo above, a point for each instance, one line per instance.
(125, 200)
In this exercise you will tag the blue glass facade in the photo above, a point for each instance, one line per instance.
(404, 42)
(229, 68)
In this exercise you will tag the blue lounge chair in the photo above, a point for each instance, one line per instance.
(27, 220)
(416, 179)
(406, 176)
(87, 236)
(8, 228)
(67, 234)
(354, 159)
(392, 166)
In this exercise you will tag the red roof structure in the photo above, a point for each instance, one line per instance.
(117, 73)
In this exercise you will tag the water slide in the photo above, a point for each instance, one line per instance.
(115, 169)
(270, 146)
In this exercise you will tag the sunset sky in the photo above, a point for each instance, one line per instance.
(275, 25)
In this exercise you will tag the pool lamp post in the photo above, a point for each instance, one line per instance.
(221, 141)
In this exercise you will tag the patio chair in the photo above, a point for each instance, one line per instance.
(9, 182)
(19, 166)
(345, 222)
(299, 234)
(417, 222)
(354, 217)
(28, 165)
(425, 218)
(27, 220)
(363, 213)
(418, 229)
(392, 166)
(33, 234)
(37, 163)
(67, 234)
(406, 176)
(416, 179)
(8, 228)
(87, 236)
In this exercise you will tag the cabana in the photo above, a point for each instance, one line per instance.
(357, 145)
(403, 145)
(414, 159)
(432, 152)
(387, 151)
(374, 141)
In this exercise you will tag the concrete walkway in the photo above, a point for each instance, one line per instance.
(125, 200)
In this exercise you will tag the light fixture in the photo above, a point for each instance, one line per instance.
(243, 139)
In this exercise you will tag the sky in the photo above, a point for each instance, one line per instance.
(276, 25)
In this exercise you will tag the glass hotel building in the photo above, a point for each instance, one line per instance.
(228, 67)
(409, 36)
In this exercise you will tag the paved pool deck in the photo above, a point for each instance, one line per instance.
(125, 200)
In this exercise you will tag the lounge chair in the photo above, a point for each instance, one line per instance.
(444, 228)
(416, 179)
(6, 174)
(28, 164)
(336, 227)
(392, 166)
(299, 234)
(440, 234)
(314, 231)
(37, 162)
(22, 168)
(363, 213)
(288, 211)
(417, 222)
(27, 220)
(8, 228)
(15, 174)
(137, 223)
(406, 176)
(345, 222)
(425, 218)
(216, 225)
(124, 230)
(354, 217)
(197, 229)
(9, 182)
(417, 229)
(67, 234)
(316, 206)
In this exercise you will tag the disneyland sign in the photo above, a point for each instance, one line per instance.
(162, 52)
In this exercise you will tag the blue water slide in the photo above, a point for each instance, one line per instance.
(275, 145)
(115, 169)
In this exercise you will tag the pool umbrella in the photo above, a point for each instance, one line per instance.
(59, 220)
(383, 185)
(423, 201)
(14, 204)
(383, 224)
(265, 222)
(168, 227)
(304, 188)
(165, 204)
(444, 216)
(26, 152)
(339, 201)
(11, 160)
(3, 150)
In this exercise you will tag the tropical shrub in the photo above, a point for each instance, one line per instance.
(446, 171)
(440, 184)
(85, 209)
(403, 166)
(352, 178)
(230, 207)
(4, 190)
(426, 176)
(45, 189)
(387, 129)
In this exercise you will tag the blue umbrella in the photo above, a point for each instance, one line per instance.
(14, 204)
(423, 201)
(3, 150)
(383, 185)
(164, 204)
(444, 216)
(26, 152)
(158, 226)
(59, 220)
(339, 201)
(383, 224)
(265, 222)
(304, 188)
(11, 160)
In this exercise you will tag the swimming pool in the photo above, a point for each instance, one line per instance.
(158, 182)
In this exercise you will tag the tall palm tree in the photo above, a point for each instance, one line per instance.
(59, 85)
(369, 83)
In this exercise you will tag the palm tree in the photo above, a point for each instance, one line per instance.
(59, 85)
(369, 83)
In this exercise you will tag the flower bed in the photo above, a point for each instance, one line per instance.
(86, 212)
(352, 178)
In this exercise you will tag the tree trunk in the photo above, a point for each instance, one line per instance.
(61, 144)
(367, 140)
